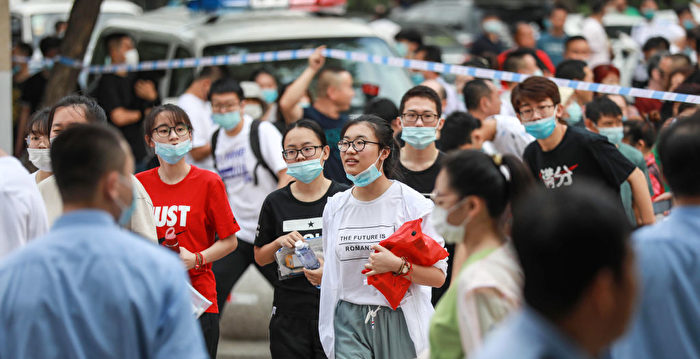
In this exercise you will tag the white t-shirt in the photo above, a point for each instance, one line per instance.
(22, 211)
(454, 103)
(597, 39)
(511, 137)
(657, 27)
(236, 162)
(506, 106)
(199, 113)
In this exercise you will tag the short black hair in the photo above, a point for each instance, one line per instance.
(49, 43)
(212, 72)
(474, 91)
(572, 39)
(571, 69)
(382, 107)
(656, 43)
(597, 6)
(514, 60)
(457, 131)
(411, 35)
(25, 48)
(602, 106)
(655, 60)
(424, 92)
(81, 155)
(226, 85)
(680, 9)
(93, 112)
(308, 124)
(261, 70)
(432, 53)
(477, 62)
(679, 148)
(558, 6)
(636, 130)
(38, 124)
(563, 239)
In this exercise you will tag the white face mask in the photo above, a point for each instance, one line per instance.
(451, 233)
(253, 110)
(40, 158)
(131, 57)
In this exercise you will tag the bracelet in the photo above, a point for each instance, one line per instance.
(410, 269)
(403, 265)
(198, 261)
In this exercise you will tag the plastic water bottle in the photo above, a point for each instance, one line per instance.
(306, 255)
(170, 241)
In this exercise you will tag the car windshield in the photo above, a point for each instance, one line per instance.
(392, 81)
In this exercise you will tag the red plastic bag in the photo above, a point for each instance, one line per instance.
(410, 242)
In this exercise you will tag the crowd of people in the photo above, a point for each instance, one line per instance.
(569, 219)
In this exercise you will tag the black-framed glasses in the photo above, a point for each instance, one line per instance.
(307, 151)
(541, 110)
(358, 145)
(163, 131)
(411, 117)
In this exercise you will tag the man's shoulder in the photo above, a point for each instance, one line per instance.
(632, 154)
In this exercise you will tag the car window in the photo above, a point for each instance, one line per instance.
(180, 78)
(16, 26)
(392, 81)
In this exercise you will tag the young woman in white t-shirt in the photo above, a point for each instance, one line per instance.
(38, 145)
(472, 193)
(355, 319)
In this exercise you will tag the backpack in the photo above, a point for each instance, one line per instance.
(254, 144)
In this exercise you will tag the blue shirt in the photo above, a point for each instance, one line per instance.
(553, 46)
(89, 289)
(667, 322)
(527, 335)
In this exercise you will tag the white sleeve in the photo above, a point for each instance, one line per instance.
(429, 230)
(271, 146)
(200, 129)
(38, 220)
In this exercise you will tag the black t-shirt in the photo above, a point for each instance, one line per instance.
(580, 155)
(422, 181)
(282, 213)
(115, 91)
(33, 91)
(333, 168)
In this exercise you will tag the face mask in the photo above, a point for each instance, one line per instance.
(419, 137)
(575, 113)
(254, 111)
(402, 49)
(40, 158)
(451, 233)
(648, 13)
(269, 95)
(304, 104)
(127, 211)
(688, 24)
(173, 153)
(417, 78)
(624, 118)
(547, 24)
(367, 176)
(131, 57)
(541, 129)
(614, 134)
(16, 69)
(228, 120)
(492, 26)
(305, 171)
(538, 72)
(48, 66)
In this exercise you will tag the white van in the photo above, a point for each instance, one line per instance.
(176, 32)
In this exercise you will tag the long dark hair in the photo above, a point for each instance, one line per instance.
(385, 137)
(473, 172)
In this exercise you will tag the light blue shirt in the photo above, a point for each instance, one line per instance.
(554, 46)
(527, 335)
(89, 289)
(667, 322)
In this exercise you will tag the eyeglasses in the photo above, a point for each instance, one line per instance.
(225, 107)
(540, 110)
(358, 145)
(163, 131)
(411, 118)
(308, 151)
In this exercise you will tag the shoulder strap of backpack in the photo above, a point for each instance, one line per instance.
(255, 145)
(214, 139)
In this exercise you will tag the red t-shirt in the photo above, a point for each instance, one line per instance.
(196, 207)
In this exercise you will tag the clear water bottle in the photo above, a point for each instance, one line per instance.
(306, 255)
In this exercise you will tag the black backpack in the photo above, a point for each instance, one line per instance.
(254, 144)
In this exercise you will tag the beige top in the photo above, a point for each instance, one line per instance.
(141, 222)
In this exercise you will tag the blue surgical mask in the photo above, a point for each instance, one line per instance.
(547, 23)
(228, 120)
(305, 171)
(304, 104)
(367, 176)
(127, 211)
(541, 129)
(648, 13)
(575, 113)
(538, 72)
(624, 118)
(173, 153)
(16, 69)
(614, 134)
(688, 24)
(269, 95)
(417, 78)
(402, 49)
(419, 137)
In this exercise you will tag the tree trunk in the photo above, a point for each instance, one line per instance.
(63, 79)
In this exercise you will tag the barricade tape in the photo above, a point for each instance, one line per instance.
(271, 56)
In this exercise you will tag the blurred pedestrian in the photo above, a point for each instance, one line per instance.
(489, 44)
(386, 110)
(456, 133)
(408, 42)
(595, 34)
(552, 41)
(99, 290)
(642, 136)
(434, 54)
(577, 48)
(38, 145)
(579, 71)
